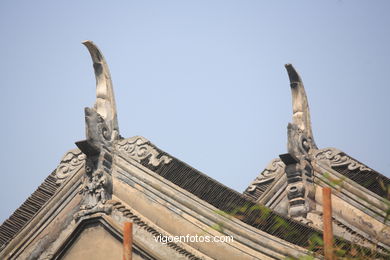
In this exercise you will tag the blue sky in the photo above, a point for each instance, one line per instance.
(203, 80)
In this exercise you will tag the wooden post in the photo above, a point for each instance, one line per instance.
(327, 219)
(127, 241)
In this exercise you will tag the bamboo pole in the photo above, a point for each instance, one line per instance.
(327, 219)
(127, 241)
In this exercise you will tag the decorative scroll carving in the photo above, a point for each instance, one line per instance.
(334, 158)
(273, 169)
(73, 161)
(101, 132)
(139, 148)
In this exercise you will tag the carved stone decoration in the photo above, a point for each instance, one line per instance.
(301, 112)
(101, 132)
(139, 148)
(273, 169)
(334, 158)
(97, 185)
(300, 184)
(300, 187)
(72, 161)
(105, 99)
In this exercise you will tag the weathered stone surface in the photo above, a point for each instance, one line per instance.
(268, 175)
(94, 243)
(101, 131)
(72, 161)
(300, 188)
(139, 148)
(334, 157)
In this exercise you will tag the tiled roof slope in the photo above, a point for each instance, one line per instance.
(20, 218)
(200, 185)
(259, 190)
(239, 205)
(354, 170)
(371, 180)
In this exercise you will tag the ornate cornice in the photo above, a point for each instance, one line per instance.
(357, 237)
(335, 158)
(72, 161)
(273, 169)
(137, 220)
(139, 148)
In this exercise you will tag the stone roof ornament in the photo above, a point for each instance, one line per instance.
(299, 172)
(105, 100)
(301, 113)
(101, 133)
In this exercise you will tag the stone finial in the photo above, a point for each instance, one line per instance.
(105, 100)
(301, 113)
(299, 172)
(101, 133)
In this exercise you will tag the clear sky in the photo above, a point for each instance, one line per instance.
(203, 80)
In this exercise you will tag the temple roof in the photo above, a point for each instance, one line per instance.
(225, 199)
(355, 170)
(103, 131)
(334, 159)
(230, 201)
